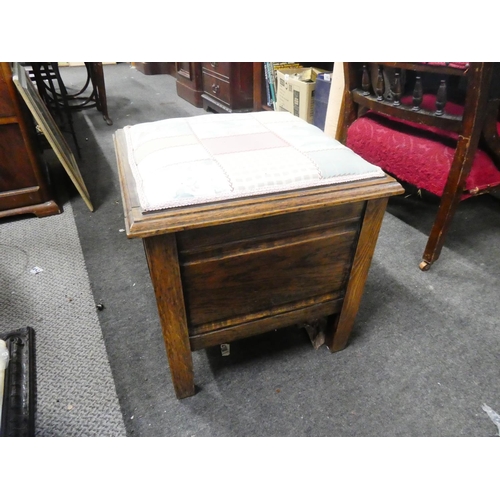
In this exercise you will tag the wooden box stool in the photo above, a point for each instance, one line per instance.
(250, 222)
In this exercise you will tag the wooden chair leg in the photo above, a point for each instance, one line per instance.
(161, 253)
(435, 243)
(450, 199)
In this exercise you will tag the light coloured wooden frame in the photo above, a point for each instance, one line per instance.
(50, 129)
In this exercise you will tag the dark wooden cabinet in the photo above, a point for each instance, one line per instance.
(24, 186)
(227, 86)
(189, 82)
(156, 68)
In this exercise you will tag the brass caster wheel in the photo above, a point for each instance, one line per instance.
(424, 266)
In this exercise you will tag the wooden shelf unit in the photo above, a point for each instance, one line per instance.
(259, 89)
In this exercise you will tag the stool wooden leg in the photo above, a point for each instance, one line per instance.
(339, 335)
(161, 253)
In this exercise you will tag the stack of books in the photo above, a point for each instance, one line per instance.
(270, 69)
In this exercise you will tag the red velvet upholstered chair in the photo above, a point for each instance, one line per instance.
(431, 125)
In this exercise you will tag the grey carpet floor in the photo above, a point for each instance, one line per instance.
(425, 351)
(44, 284)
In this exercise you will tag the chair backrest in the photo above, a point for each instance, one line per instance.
(452, 97)
(425, 123)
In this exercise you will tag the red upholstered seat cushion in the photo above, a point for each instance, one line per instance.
(417, 154)
(458, 65)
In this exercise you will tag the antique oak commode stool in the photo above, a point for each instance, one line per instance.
(250, 222)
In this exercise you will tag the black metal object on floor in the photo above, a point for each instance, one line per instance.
(18, 407)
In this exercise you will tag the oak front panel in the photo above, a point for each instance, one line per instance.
(248, 268)
(212, 238)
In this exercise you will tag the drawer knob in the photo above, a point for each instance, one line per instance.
(215, 88)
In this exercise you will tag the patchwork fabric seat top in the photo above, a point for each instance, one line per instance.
(251, 222)
(184, 161)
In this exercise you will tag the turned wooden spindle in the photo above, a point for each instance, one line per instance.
(380, 88)
(365, 80)
(396, 90)
(417, 93)
(441, 98)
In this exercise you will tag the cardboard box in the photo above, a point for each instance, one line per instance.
(296, 91)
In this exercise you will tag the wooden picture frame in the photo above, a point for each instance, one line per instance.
(48, 126)
(19, 400)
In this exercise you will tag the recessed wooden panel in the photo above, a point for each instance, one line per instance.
(15, 164)
(6, 104)
(184, 69)
(189, 84)
(238, 281)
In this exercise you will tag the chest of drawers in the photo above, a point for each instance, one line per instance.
(227, 86)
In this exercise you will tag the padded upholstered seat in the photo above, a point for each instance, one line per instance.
(418, 154)
(251, 223)
(188, 161)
